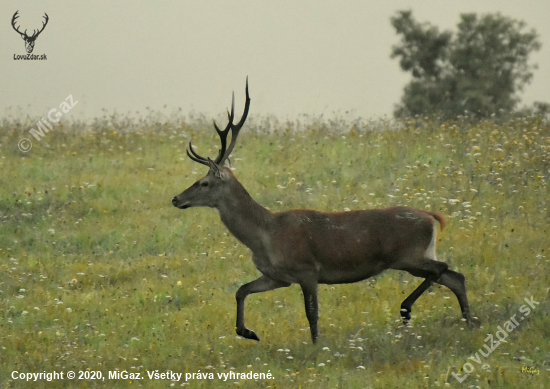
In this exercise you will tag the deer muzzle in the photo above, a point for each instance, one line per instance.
(176, 203)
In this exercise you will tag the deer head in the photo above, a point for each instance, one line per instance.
(29, 40)
(218, 184)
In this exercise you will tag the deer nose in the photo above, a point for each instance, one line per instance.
(175, 202)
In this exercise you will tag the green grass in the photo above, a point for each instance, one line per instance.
(100, 272)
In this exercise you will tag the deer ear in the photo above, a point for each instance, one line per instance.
(214, 168)
(227, 163)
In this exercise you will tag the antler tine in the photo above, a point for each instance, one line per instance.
(235, 128)
(232, 108)
(246, 107)
(195, 157)
(223, 134)
(223, 139)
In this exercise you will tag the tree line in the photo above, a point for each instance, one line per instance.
(477, 70)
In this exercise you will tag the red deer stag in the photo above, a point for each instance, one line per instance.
(308, 247)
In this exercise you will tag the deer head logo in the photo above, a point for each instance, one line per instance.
(29, 40)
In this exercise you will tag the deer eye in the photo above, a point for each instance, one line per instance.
(204, 184)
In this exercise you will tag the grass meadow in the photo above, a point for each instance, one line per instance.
(99, 272)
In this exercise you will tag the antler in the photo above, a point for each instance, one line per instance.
(224, 151)
(15, 16)
(35, 34)
(24, 34)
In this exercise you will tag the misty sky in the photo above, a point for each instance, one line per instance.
(302, 57)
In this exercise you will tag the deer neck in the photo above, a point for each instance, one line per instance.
(247, 220)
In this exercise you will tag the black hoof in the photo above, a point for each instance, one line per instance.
(405, 315)
(248, 334)
(473, 322)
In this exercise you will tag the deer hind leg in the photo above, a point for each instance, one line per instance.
(426, 268)
(457, 283)
(407, 304)
(262, 284)
(435, 271)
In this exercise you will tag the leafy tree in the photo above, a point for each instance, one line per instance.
(479, 69)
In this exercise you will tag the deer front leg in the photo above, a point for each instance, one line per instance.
(312, 307)
(262, 284)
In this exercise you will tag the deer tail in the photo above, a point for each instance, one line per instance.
(440, 218)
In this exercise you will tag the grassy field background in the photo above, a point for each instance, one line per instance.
(101, 273)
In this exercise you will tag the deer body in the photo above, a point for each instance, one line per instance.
(309, 247)
(346, 247)
(336, 247)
